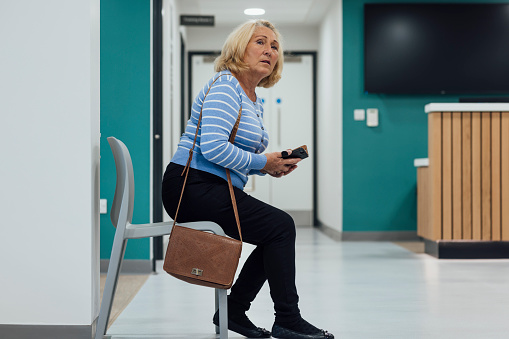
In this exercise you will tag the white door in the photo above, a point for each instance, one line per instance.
(288, 117)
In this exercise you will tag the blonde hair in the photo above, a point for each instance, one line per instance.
(234, 48)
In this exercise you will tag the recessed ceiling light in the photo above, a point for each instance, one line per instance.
(254, 11)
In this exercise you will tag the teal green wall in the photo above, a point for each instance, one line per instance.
(125, 109)
(379, 179)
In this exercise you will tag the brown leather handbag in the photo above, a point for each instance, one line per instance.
(199, 257)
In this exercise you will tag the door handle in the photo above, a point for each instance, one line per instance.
(278, 101)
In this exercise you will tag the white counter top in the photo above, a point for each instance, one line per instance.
(466, 107)
(422, 162)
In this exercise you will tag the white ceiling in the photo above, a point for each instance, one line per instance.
(279, 12)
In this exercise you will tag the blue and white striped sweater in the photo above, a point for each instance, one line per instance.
(213, 152)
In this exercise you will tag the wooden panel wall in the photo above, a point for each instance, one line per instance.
(423, 229)
(435, 175)
(496, 184)
(504, 178)
(476, 176)
(468, 177)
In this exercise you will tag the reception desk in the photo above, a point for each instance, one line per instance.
(463, 192)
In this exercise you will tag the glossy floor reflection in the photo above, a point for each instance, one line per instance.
(355, 290)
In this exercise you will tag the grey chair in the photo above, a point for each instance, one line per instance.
(121, 217)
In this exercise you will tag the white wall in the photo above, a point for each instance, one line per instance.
(171, 82)
(49, 172)
(171, 78)
(295, 38)
(330, 118)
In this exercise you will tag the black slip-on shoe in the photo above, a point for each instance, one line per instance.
(255, 332)
(285, 333)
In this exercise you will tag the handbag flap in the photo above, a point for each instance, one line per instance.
(202, 256)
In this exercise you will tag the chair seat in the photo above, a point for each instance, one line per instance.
(136, 231)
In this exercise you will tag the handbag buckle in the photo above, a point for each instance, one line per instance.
(197, 271)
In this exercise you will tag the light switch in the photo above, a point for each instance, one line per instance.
(372, 117)
(103, 206)
(358, 115)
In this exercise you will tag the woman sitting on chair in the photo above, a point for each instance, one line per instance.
(252, 56)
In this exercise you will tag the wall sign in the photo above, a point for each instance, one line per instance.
(197, 20)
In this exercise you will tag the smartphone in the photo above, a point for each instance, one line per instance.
(299, 152)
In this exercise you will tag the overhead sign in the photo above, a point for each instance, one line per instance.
(197, 20)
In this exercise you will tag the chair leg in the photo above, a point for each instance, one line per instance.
(116, 259)
(223, 314)
(216, 299)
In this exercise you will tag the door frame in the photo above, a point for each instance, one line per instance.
(314, 56)
(157, 125)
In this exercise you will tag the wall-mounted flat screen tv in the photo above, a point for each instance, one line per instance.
(436, 48)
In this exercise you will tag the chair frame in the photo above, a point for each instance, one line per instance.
(121, 216)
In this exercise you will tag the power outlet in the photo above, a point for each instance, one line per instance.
(372, 117)
(103, 206)
(359, 115)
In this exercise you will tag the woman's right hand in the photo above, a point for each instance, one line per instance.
(277, 167)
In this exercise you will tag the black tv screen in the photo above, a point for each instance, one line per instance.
(436, 48)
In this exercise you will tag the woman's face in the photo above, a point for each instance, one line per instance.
(262, 52)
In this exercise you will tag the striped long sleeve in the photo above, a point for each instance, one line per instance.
(213, 152)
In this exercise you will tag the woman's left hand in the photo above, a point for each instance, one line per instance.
(278, 173)
(291, 168)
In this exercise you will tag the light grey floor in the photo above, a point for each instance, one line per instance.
(356, 290)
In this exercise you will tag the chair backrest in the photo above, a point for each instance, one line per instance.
(123, 201)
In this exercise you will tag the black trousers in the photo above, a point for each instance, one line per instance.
(207, 198)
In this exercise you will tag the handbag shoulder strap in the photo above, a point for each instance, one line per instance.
(230, 186)
(188, 164)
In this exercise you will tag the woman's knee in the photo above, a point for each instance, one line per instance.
(286, 225)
